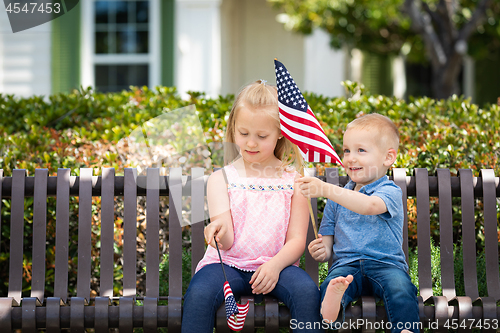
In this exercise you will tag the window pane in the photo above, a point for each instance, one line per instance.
(141, 75)
(112, 78)
(122, 11)
(142, 41)
(102, 75)
(101, 11)
(122, 27)
(125, 42)
(142, 12)
(101, 42)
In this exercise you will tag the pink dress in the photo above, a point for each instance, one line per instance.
(260, 209)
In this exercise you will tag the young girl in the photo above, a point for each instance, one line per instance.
(258, 218)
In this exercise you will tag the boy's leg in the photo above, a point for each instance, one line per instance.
(300, 294)
(205, 295)
(333, 297)
(337, 291)
(394, 286)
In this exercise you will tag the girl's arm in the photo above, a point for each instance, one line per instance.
(266, 276)
(355, 201)
(221, 223)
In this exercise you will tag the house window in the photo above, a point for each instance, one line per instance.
(122, 47)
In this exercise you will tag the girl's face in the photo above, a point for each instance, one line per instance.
(256, 134)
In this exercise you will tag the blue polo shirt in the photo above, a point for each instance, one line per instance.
(372, 237)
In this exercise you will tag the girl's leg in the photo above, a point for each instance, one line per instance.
(205, 295)
(300, 294)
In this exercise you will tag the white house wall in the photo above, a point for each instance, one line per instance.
(197, 43)
(25, 59)
(251, 39)
(325, 68)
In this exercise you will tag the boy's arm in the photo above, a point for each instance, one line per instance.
(357, 202)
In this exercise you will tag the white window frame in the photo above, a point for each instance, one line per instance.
(90, 59)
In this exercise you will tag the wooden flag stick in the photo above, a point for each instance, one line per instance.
(313, 220)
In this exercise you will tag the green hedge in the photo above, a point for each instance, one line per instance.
(82, 129)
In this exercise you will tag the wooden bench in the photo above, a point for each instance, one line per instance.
(59, 310)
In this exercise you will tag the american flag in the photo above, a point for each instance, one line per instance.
(298, 122)
(235, 313)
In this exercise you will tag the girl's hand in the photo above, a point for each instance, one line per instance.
(265, 278)
(217, 228)
(317, 249)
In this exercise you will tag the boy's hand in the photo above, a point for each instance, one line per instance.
(317, 249)
(311, 187)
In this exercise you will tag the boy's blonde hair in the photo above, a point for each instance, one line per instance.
(258, 94)
(388, 134)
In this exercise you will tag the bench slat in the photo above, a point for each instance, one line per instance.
(423, 233)
(272, 314)
(332, 177)
(126, 315)
(52, 314)
(446, 233)
(39, 234)
(490, 233)
(84, 234)
(152, 232)
(107, 232)
(249, 326)
(1, 186)
(150, 322)
(28, 315)
(197, 216)
(101, 321)
(16, 235)
(62, 235)
(129, 232)
(399, 177)
(311, 264)
(77, 311)
(468, 233)
(175, 249)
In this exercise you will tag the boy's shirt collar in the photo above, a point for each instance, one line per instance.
(369, 188)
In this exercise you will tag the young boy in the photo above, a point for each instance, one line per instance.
(362, 227)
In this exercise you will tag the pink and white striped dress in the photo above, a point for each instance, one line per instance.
(260, 209)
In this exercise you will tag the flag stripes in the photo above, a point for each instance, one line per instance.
(298, 122)
(235, 313)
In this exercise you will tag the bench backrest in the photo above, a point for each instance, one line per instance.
(192, 187)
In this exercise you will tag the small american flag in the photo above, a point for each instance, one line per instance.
(298, 122)
(235, 313)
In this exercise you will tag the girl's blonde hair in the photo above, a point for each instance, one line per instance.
(258, 94)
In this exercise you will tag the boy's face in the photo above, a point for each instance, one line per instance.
(364, 157)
